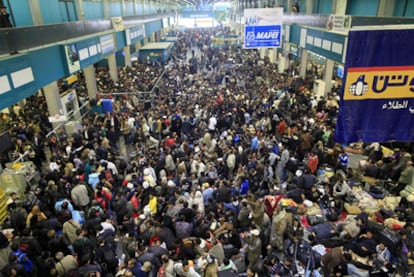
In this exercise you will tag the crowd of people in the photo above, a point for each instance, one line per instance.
(232, 170)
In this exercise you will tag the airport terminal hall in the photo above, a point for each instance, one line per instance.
(206, 138)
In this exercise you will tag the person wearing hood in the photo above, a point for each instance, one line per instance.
(198, 200)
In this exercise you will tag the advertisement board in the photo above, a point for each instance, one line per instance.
(263, 28)
(107, 43)
(377, 101)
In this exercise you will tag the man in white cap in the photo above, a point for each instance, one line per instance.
(253, 246)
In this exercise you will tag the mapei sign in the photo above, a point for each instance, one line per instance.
(383, 82)
(262, 27)
(262, 36)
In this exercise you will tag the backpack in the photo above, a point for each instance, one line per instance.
(94, 212)
(24, 260)
(110, 260)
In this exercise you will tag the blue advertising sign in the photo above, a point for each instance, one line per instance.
(263, 27)
(262, 36)
(377, 101)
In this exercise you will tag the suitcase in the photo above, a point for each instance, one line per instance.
(375, 227)
(230, 250)
(390, 238)
(305, 252)
(239, 262)
(322, 230)
(227, 273)
(316, 219)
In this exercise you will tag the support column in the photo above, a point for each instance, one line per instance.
(385, 8)
(127, 55)
(90, 80)
(137, 46)
(113, 71)
(123, 8)
(273, 55)
(309, 7)
(339, 7)
(80, 13)
(262, 52)
(283, 63)
(135, 10)
(35, 12)
(329, 66)
(289, 6)
(149, 10)
(54, 105)
(303, 63)
(143, 7)
(105, 8)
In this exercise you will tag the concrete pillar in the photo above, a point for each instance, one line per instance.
(105, 8)
(123, 8)
(329, 66)
(309, 7)
(134, 7)
(54, 105)
(385, 8)
(262, 53)
(149, 10)
(144, 5)
(127, 55)
(138, 45)
(90, 79)
(273, 55)
(35, 12)
(303, 63)
(283, 61)
(289, 4)
(80, 13)
(113, 71)
(339, 7)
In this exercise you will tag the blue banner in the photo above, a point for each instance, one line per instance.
(377, 101)
(262, 36)
(263, 27)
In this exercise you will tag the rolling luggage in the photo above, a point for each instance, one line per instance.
(305, 252)
(390, 238)
(374, 227)
(227, 273)
(240, 263)
(230, 250)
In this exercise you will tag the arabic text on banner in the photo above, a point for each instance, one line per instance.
(377, 101)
